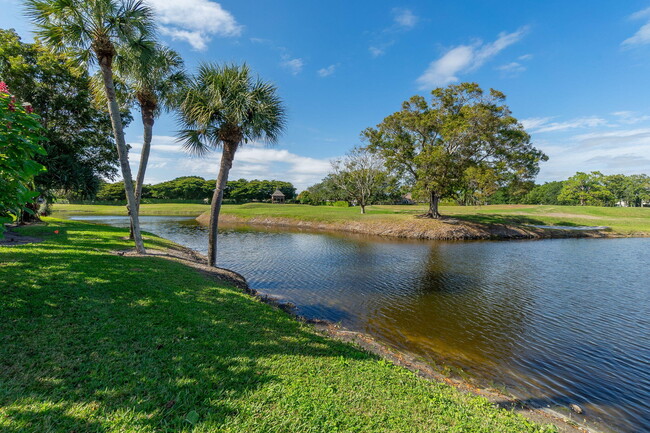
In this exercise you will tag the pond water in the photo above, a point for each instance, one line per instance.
(556, 321)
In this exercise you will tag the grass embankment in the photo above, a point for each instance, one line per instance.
(91, 341)
(472, 222)
(621, 220)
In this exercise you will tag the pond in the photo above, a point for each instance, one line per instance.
(555, 321)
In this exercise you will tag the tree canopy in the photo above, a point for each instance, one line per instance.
(78, 135)
(463, 140)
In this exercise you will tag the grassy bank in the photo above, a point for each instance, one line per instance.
(91, 341)
(623, 221)
(181, 209)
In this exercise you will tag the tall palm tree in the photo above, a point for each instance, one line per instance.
(225, 106)
(94, 30)
(153, 79)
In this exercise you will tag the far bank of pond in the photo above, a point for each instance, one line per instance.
(557, 322)
(447, 229)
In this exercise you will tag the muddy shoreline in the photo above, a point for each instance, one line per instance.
(448, 229)
(568, 422)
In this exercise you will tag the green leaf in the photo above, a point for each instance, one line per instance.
(192, 417)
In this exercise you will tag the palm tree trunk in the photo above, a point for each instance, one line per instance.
(147, 122)
(227, 156)
(118, 130)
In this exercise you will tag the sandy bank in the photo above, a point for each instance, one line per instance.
(414, 228)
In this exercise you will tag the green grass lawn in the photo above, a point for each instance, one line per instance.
(95, 342)
(626, 221)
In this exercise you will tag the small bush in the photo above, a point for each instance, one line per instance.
(341, 203)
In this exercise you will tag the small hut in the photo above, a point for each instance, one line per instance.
(277, 197)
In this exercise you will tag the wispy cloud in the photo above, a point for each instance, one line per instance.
(405, 18)
(544, 124)
(293, 65)
(195, 21)
(512, 68)
(326, 72)
(403, 21)
(465, 58)
(378, 50)
(642, 36)
(630, 117)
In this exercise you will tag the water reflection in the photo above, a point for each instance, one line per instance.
(562, 321)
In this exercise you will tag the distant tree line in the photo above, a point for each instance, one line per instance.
(197, 188)
(582, 189)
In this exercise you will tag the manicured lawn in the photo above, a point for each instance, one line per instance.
(622, 220)
(96, 342)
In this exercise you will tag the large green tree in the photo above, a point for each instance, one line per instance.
(586, 189)
(94, 30)
(462, 137)
(225, 107)
(80, 148)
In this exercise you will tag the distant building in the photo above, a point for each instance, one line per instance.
(407, 199)
(277, 197)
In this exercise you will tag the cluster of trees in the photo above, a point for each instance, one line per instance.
(463, 144)
(75, 132)
(584, 189)
(220, 107)
(197, 188)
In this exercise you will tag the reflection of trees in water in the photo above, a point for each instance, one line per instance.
(465, 305)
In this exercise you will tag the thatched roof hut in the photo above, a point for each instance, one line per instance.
(277, 197)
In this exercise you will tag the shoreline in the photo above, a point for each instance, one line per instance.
(563, 422)
(447, 229)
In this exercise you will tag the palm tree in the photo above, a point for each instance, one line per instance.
(224, 107)
(94, 30)
(153, 79)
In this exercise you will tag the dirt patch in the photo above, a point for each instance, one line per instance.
(12, 239)
(443, 229)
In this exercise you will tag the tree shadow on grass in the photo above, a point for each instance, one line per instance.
(93, 341)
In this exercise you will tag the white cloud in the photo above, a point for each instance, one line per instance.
(630, 117)
(376, 51)
(405, 18)
(195, 21)
(543, 124)
(512, 68)
(293, 65)
(168, 161)
(465, 58)
(325, 72)
(642, 36)
(643, 13)
(535, 122)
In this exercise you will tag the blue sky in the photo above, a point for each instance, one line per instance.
(576, 73)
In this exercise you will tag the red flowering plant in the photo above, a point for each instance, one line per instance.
(20, 138)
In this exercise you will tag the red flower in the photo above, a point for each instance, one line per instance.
(56, 232)
(3, 87)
